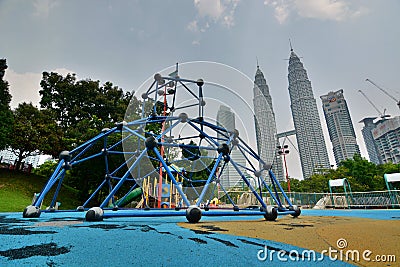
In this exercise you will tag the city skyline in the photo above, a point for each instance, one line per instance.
(343, 42)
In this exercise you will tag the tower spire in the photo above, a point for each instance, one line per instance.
(290, 43)
(258, 66)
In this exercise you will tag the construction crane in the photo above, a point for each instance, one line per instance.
(382, 115)
(384, 91)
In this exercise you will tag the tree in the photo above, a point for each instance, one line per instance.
(6, 120)
(360, 173)
(82, 108)
(33, 132)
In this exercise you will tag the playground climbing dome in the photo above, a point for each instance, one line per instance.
(174, 160)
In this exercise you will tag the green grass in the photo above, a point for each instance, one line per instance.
(17, 189)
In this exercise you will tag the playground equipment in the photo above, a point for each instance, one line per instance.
(174, 177)
(390, 181)
(340, 201)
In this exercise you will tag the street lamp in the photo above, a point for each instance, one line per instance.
(283, 151)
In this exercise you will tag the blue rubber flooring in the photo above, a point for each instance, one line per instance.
(65, 239)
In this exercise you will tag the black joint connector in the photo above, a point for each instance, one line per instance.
(151, 143)
(224, 149)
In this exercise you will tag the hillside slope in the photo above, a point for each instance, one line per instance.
(17, 189)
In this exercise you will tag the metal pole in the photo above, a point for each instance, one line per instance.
(287, 174)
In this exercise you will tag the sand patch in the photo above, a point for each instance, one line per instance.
(320, 233)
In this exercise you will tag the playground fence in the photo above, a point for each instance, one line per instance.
(354, 200)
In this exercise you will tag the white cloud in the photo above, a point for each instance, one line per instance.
(323, 9)
(192, 26)
(214, 11)
(43, 7)
(281, 13)
(24, 87)
(209, 8)
(337, 10)
(211, 12)
(229, 17)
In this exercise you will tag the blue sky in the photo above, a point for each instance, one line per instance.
(341, 43)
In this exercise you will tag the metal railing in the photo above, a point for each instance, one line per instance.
(354, 200)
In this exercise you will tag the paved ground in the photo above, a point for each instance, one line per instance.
(65, 239)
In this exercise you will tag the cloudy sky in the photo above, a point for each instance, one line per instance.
(341, 43)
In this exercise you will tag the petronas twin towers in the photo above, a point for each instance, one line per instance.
(265, 124)
(308, 129)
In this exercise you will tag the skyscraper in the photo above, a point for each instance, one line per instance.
(265, 124)
(387, 137)
(310, 139)
(225, 118)
(340, 126)
(369, 140)
(230, 177)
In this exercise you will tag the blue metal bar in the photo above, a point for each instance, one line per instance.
(276, 192)
(244, 167)
(188, 146)
(140, 122)
(85, 159)
(248, 184)
(248, 161)
(94, 193)
(212, 173)
(171, 176)
(226, 193)
(213, 192)
(223, 189)
(144, 213)
(187, 106)
(201, 132)
(93, 140)
(53, 201)
(168, 129)
(119, 178)
(155, 99)
(170, 213)
(135, 133)
(188, 89)
(270, 191)
(119, 184)
(280, 187)
(122, 165)
(254, 154)
(50, 183)
(242, 212)
(210, 125)
(105, 151)
(81, 152)
(150, 87)
(180, 80)
(117, 143)
(162, 118)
